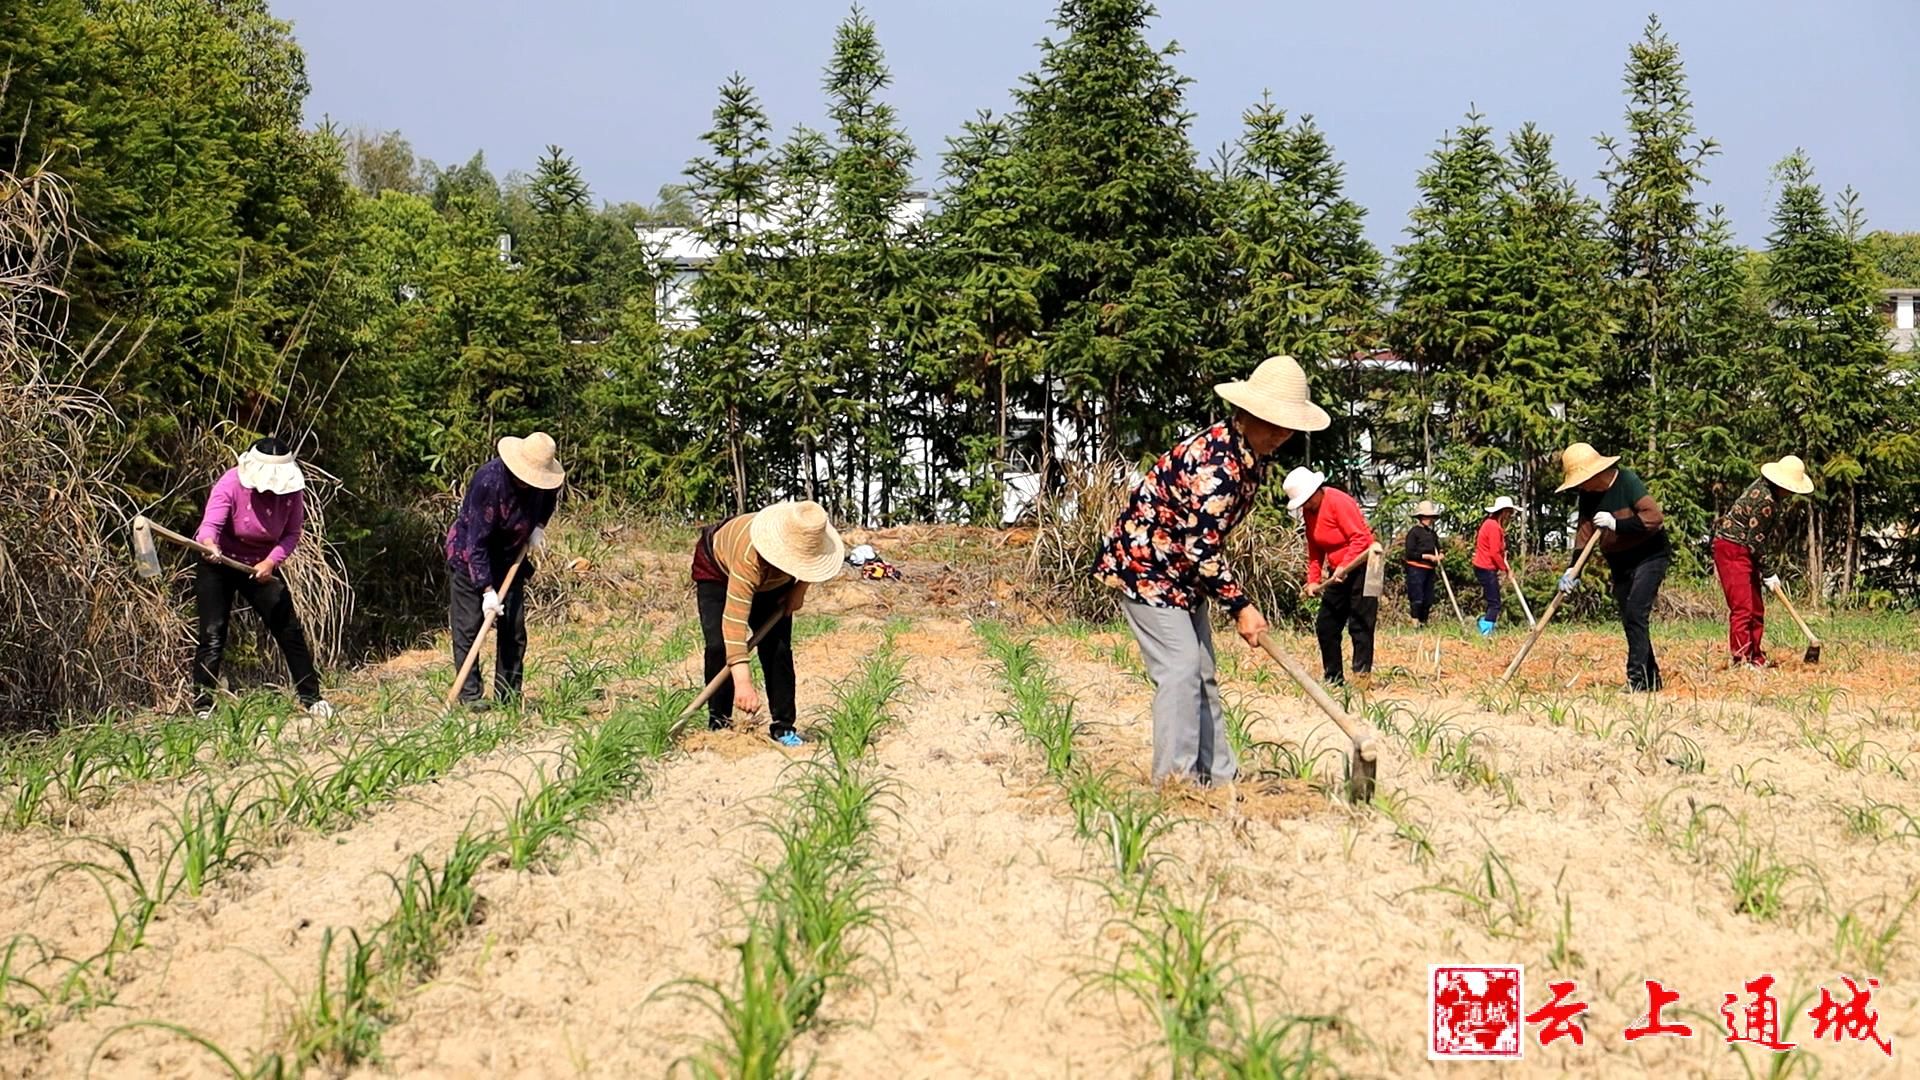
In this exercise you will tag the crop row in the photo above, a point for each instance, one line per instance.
(1177, 959)
(819, 907)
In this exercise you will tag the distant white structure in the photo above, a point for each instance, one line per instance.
(1901, 307)
(685, 255)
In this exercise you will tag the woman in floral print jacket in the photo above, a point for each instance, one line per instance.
(1166, 558)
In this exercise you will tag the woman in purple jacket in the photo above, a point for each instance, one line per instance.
(254, 515)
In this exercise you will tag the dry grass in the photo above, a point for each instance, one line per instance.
(80, 632)
(1267, 552)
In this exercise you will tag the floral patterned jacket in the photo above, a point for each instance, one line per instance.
(1167, 548)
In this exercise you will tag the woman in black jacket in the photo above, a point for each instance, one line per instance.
(1422, 559)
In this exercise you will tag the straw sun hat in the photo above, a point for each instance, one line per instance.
(1277, 393)
(531, 459)
(1581, 463)
(1790, 473)
(1300, 485)
(1426, 508)
(269, 466)
(797, 538)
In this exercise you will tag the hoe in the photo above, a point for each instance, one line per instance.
(1363, 765)
(1546, 614)
(713, 684)
(479, 639)
(1813, 643)
(146, 558)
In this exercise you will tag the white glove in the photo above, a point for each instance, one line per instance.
(1567, 581)
(1604, 520)
(1772, 582)
(490, 603)
(538, 541)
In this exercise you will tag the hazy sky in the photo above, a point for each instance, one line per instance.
(627, 87)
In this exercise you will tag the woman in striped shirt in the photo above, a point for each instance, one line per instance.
(751, 573)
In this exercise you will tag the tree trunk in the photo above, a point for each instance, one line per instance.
(1852, 562)
(1816, 570)
(738, 453)
(813, 468)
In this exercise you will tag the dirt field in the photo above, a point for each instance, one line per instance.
(1739, 824)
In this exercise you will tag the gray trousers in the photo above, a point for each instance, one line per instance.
(1189, 730)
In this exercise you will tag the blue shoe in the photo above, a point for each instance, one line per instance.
(790, 739)
(1486, 628)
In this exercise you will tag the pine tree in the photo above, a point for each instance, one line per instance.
(725, 348)
(1101, 135)
(556, 252)
(1444, 321)
(804, 304)
(872, 175)
(1298, 276)
(1550, 316)
(1653, 223)
(1827, 366)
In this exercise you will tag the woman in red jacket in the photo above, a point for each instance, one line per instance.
(1490, 559)
(1337, 533)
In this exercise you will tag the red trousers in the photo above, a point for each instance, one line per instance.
(1746, 602)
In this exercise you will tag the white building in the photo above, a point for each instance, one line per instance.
(1902, 310)
(684, 255)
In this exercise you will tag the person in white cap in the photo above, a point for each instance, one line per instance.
(1166, 556)
(1337, 533)
(1745, 535)
(504, 512)
(1490, 559)
(1616, 501)
(255, 514)
(1423, 558)
(751, 572)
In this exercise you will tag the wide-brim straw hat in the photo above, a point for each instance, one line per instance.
(1426, 508)
(1300, 485)
(798, 539)
(532, 460)
(276, 473)
(1499, 504)
(1580, 463)
(1277, 393)
(1790, 473)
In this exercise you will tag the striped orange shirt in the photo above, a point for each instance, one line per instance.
(747, 574)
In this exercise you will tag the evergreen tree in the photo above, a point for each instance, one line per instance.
(556, 252)
(1826, 365)
(1444, 322)
(874, 260)
(1101, 135)
(1297, 276)
(726, 345)
(805, 304)
(1550, 318)
(1653, 223)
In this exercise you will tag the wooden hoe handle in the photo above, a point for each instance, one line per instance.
(473, 653)
(713, 684)
(191, 544)
(1364, 742)
(1781, 592)
(1553, 605)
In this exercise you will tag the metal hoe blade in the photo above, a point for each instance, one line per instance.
(146, 559)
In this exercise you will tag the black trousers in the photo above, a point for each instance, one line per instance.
(1342, 607)
(775, 652)
(1489, 592)
(1636, 585)
(1420, 592)
(509, 633)
(214, 587)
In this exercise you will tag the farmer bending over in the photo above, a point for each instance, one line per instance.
(254, 514)
(505, 512)
(1337, 533)
(751, 572)
(1615, 501)
(1750, 529)
(1166, 557)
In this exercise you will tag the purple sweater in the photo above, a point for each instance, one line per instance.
(252, 526)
